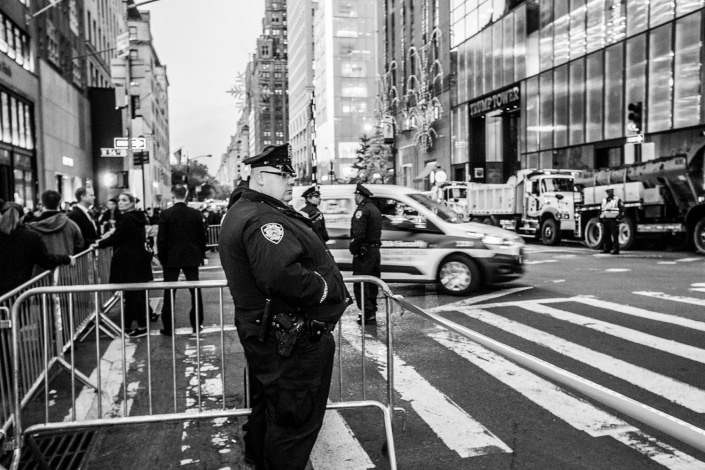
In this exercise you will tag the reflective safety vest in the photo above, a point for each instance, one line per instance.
(610, 208)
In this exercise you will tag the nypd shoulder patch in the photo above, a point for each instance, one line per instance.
(273, 232)
(358, 214)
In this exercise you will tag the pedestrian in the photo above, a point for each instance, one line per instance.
(108, 218)
(130, 262)
(365, 239)
(21, 249)
(61, 235)
(288, 295)
(83, 218)
(611, 213)
(312, 196)
(181, 246)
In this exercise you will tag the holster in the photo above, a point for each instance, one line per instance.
(317, 328)
(289, 328)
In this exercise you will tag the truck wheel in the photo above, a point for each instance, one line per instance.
(627, 233)
(699, 236)
(458, 275)
(550, 232)
(488, 221)
(594, 234)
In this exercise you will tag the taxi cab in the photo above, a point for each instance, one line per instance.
(422, 241)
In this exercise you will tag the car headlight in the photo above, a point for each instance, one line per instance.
(494, 240)
(476, 235)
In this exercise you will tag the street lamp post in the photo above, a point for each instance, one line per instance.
(188, 170)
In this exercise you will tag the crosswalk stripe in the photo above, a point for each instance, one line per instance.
(640, 312)
(574, 411)
(675, 298)
(671, 389)
(666, 345)
(458, 430)
(336, 447)
(86, 405)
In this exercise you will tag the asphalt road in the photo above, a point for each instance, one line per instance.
(633, 323)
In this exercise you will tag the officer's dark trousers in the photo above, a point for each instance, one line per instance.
(172, 275)
(367, 265)
(610, 229)
(289, 397)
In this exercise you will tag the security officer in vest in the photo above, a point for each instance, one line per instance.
(366, 234)
(313, 199)
(611, 213)
(288, 296)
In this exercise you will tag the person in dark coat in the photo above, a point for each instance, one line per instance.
(21, 249)
(130, 262)
(365, 239)
(313, 198)
(288, 295)
(181, 246)
(83, 218)
(108, 218)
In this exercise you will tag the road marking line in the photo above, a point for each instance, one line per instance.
(481, 298)
(640, 312)
(457, 429)
(688, 260)
(675, 298)
(574, 411)
(111, 384)
(337, 447)
(541, 261)
(671, 389)
(644, 339)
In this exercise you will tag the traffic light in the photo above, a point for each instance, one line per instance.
(634, 118)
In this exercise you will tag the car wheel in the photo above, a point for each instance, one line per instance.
(594, 234)
(627, 233)
(458, 275)
(550, 232)
(699, 236)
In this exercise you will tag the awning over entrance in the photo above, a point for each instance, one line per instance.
(427, 170)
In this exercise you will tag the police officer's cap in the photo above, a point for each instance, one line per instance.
(609, 189)
(311, 192)
(363, 191)
(276, 156)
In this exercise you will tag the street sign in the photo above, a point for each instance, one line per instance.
(122, 41)
(112, 152)
(138, 143)
(140, 157)
(635, 139)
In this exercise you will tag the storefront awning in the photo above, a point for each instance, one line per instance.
(427, 170)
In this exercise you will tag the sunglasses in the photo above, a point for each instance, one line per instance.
(284, 174)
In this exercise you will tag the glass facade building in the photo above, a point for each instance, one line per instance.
(549, 83)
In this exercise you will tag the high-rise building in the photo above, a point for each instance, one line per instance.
(344, 80)
(300, 14)
(267, 99)
(104, 22)
(414, 96)
(579, 85)
(19, 104)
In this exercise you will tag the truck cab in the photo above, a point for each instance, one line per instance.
(545, 200)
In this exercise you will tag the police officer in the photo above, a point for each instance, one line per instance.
(288, 296)
(611, 213)
(365, 234)
(313, 199)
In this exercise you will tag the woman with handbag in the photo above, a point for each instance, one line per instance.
(130, 262)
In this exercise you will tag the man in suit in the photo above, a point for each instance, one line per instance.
(181, 246)
(83, 218)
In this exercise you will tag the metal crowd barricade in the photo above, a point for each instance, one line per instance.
(161, 404)
(35, 334)
(213, 231)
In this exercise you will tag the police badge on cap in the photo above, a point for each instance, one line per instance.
(276, 156)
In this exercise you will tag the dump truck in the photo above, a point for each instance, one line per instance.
(537, 203)
(663, 198)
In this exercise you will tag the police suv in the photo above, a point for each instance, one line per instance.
(422, 241)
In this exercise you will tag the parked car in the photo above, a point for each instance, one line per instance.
(422, 241)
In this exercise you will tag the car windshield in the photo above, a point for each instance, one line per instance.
(444, 213)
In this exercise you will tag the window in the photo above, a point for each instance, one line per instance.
(594, 94)
(576, 126)
(660, 79)
(614, 66)
(687, 87)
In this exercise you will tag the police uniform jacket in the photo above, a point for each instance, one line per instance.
(366, 226)
(317, 220)
(270, 251)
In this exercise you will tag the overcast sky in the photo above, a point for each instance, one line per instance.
(204, 45)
